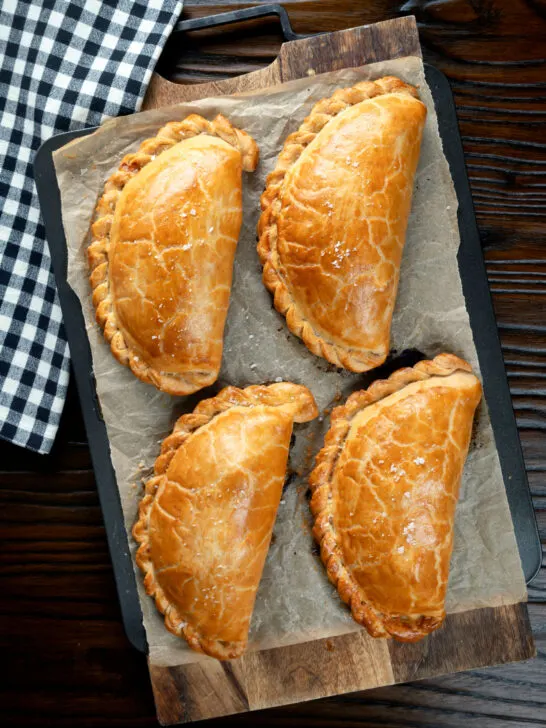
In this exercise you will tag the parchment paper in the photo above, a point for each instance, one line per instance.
(295, 601)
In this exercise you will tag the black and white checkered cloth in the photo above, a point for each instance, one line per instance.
(64, 64)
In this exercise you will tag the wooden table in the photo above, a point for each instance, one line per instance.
(65, 653)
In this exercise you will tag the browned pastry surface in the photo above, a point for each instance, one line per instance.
(207, 515)
(162, 251)
(385, 487)
(335, 212)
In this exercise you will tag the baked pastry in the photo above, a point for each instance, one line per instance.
(207, 515)
(162, 251)
(335, 212)
(385, 487)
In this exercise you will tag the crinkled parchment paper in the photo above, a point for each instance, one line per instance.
(295, 601)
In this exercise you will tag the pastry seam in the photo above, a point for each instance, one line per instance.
(376, 622)
(321, 114)
(184, 427)
(98, 250)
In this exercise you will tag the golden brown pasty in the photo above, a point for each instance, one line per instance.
(162, 251)
(207, 516)
(335, 211)
(385, 487)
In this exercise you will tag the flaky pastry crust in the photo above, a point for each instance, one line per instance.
(179, 380)
(381, 622)
(315, 257)
(219, 631)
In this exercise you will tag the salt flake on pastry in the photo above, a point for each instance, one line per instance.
(385, 487)
(207, 515)
(162, 251)
(334, 218)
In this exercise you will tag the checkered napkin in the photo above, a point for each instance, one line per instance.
(64, 65)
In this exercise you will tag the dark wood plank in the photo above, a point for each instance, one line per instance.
(69, 661)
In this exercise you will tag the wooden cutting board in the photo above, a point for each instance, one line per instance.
(355, 661)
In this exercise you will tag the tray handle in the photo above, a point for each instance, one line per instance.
(236, 16)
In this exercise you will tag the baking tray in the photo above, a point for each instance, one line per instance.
(482, 320)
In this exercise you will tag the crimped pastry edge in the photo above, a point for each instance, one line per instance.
(304, 409)
(323, 112)
(97, 252)
(377, 623)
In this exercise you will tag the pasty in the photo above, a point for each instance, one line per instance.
(207, 515)
(335, 212)
(385, 487)
(162, 250)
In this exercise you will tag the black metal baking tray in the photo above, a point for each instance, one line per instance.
(80, 352)
(482, 319)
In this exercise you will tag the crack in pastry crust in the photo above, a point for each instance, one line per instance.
(378, 623)
(98, 251)
(295, 401)
(274, 275)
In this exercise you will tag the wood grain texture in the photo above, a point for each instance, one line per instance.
(69, 661)
(339, 665)
(390, 39)
(271, 678)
